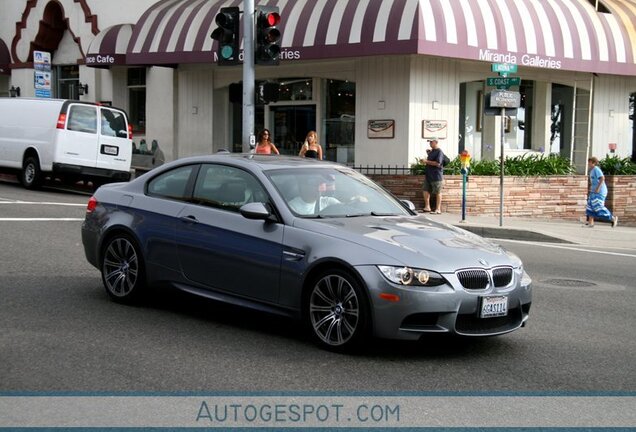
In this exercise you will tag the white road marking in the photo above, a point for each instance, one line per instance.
(572, 248)
(40, 219)
(43, 203)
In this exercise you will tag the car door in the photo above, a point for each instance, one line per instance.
(159, 209)
(223, 250)
(114, 147)
(78, 142)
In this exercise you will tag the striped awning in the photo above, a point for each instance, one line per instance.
(5, 59)
(552, 34)
(109, 46)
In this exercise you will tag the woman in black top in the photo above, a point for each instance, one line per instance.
(311, 148)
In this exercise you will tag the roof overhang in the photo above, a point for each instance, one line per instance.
(550, 34)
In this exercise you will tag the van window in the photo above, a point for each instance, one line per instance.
(82, 119)
(113, 123)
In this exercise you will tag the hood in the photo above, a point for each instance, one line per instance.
(415, 241)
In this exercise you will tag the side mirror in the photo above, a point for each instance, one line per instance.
(255, 210)
(409, 205)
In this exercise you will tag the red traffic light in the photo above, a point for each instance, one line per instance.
(267, 50)
(272, 18)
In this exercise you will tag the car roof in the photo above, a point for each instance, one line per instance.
(260, 162)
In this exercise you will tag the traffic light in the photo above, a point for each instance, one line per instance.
(267, 36)
(267, 92)
(227, 36)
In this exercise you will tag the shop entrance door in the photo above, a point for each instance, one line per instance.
(67, 82)
(290, 124)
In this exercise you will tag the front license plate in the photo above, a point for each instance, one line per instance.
(494, 307)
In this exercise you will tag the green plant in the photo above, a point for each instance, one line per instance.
(613, 165)
(524, 166)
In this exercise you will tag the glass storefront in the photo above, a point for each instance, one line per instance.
(295, 113)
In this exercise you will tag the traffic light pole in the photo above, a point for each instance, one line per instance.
(248, 138)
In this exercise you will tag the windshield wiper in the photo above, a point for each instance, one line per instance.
(382, 214)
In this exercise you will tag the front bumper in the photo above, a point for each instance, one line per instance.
(446, 308)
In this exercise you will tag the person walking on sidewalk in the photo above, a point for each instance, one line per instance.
(434, 177)
(595, 208)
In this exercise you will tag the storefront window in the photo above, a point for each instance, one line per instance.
(295, 89)
(339, 120)
(137, 99)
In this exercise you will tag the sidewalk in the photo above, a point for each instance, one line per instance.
(602, 235)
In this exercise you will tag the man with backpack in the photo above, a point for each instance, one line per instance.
(434, 177)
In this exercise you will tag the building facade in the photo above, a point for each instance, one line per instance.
(374, 78)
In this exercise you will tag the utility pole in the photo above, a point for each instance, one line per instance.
(248, 137)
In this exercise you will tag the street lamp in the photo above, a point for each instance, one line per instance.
(82, 89)
(14, 91)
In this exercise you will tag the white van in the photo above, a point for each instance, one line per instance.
(65, 139)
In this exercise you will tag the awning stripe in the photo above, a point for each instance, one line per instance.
(529, 23)
(176, 20)
(546, 35)
(621, 49)
(566, 34)
(627, 14)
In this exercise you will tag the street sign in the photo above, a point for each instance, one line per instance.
(504, 68)
(505, 99)
(501, 82)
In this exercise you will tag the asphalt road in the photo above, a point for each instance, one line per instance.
(60, 332)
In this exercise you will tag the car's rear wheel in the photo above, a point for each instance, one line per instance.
(122, 269)
(31, 175)
(336, 311)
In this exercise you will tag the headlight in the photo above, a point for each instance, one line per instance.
(526, 280)
(412, 277)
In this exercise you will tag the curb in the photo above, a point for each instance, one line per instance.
(511, 234)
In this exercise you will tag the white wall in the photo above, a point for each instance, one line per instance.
(382, 92)
(160, 104)
(611, 118)
(433, 79)
(195, 116)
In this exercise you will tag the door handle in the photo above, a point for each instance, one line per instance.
(189, 219)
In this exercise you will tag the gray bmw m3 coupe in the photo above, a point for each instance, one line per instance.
(312, 240)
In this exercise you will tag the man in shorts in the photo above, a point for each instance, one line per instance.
(434, 178)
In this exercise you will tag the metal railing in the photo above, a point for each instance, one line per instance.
(383, 169)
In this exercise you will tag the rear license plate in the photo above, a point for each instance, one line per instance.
(494, 307)
(110, 150)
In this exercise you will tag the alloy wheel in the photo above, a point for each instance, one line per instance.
(334, 309)
(120, 267)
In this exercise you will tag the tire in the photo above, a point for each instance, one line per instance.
(336, 311)
(122, 269)
(31, 175)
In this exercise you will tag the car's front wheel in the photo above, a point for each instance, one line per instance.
(336, 311)
(122, 269)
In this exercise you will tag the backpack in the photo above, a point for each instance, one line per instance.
(446, 161)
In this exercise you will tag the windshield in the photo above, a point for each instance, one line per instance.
(333, 192)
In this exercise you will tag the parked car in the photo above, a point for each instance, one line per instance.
(65, 139)
(308, 239)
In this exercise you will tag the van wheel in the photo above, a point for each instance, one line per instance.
(31, 176)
